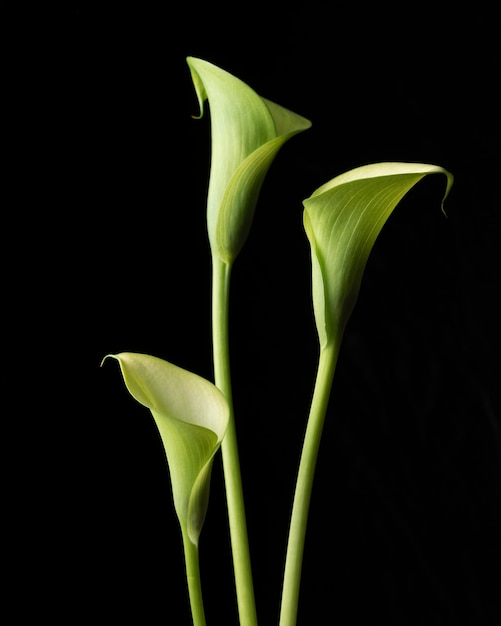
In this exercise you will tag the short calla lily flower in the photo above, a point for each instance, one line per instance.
(247, 133)
(342, 220)
(191, 415)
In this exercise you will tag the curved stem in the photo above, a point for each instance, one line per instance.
(229, 448)
(193, 579)
(304, 485)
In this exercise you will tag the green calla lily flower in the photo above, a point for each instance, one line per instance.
(247, 133)
(342, 220)
(191, 415)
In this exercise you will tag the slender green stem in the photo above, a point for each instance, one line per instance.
(231, 462)
(193, 578)
(304, 484)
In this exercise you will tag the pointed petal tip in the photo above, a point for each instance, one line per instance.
(108, 356)
(198, 85)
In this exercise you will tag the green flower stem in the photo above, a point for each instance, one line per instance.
(193, 578)
(231, 462)
(304, 484)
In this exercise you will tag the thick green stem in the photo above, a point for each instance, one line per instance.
(193, 577)
(231, 462)
(304, 485)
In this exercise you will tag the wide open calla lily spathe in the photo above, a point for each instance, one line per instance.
(342, 220)
(247, 131)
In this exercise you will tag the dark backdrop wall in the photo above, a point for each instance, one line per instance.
(405, 518)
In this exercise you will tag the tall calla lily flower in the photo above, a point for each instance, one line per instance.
(342, 220)
(191, 415)
(247, 133)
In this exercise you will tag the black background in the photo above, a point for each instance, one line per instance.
(405, 519)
